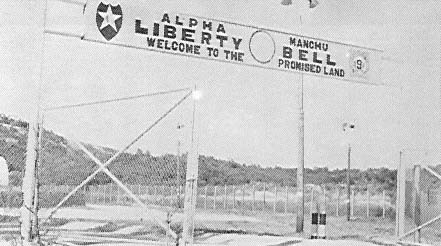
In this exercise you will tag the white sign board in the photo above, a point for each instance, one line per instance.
(133, 24)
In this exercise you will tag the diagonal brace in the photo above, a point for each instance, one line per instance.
(55, 209)
(127, 190)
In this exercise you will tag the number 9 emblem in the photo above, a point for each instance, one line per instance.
(359, 63)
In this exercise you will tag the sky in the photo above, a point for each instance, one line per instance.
(246, 114)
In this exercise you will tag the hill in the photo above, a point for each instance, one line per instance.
(63, 164)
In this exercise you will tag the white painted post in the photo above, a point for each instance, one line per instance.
(191, 182)
(384, 204)
(214, 198)
(311, 208)
(28, 185)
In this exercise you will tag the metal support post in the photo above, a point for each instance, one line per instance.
(301, 163)
(348, 184)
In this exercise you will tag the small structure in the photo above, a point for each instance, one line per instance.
(4, 173)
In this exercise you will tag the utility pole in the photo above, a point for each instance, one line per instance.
(348, 127)
(301, 162)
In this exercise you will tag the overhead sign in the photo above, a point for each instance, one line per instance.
(131, 23)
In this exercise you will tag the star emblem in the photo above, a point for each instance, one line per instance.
(109, 20)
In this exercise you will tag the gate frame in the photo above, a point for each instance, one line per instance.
(400, 203)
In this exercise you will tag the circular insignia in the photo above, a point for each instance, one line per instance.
(262, 46)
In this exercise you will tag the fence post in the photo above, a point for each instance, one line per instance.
(243, 197)
(215, 193)
(337, 201)
(352, 202)
(311, 206)
(234, 196)
(205, 197)
(368, 201)
(103, 187)
(171, 195)
(254, 197)
(384, 204)
(155, 194)
(275, 198)
(324, 197)
(264, 193)
(286, 199)
(225, 197)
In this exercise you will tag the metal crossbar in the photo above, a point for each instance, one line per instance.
(116, 99)
(85, 181)
(127, 190)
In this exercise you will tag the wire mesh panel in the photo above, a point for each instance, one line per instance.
(422, 209)
(107, 170)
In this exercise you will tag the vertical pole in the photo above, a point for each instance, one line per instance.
(234, 196)
(353, 202)
(191, 182)
(118, 195)
(178, 173)
(215, 194)
(400, 217)
(225, 197)
(348, 184)
(311, 207)
(37, 184)
(243, 197)
(28, 186)
(417, 201)
(324, 197)
(368, 201)
(275, 199)
(384, 204)
(337, 202)
(264, 196)
(301, 161)
(205, 197)
(254, 197)
(155, 194)
(286, 199)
